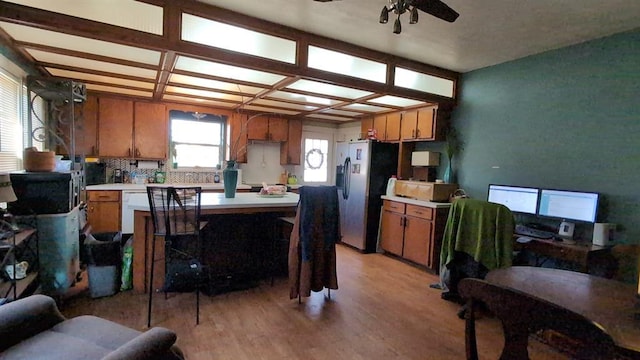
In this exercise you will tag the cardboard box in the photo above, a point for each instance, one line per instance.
(427, 191)
(425, 158)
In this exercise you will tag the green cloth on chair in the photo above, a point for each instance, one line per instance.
(480, 229)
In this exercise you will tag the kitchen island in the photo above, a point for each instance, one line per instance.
(243, 223)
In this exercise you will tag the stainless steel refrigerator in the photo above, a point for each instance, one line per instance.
(363, 169)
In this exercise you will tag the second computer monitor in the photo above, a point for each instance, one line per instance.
(569, 205)
(516, 198)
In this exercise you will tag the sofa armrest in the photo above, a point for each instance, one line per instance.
(152, 344)
(24, 318)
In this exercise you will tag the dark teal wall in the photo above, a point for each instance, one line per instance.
(565, 119)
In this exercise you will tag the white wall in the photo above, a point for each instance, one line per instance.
(263, 160)
(263, 163)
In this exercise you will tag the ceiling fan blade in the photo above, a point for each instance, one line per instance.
(437, 8)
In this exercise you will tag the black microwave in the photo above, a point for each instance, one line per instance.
(45, 192)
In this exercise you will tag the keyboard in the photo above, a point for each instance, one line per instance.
(536, 233)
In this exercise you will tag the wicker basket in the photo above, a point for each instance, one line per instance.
(39, 161)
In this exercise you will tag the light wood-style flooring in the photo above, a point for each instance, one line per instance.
(384, 309)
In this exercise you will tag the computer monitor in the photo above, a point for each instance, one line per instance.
(569, 205)
(516, 198)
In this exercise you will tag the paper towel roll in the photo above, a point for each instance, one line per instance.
(147, 164)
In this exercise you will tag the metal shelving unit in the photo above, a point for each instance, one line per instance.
(19, 246)
(63, 112)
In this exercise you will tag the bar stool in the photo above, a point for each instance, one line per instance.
(175, 213)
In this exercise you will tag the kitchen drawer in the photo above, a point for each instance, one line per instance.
(104, 195)
(393, 206)
(420, 211)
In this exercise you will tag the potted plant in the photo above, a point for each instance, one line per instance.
(453, 147)
(237, 148)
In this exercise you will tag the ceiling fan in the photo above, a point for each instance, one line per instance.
(432, 7)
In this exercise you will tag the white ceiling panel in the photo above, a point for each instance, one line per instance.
(125, 13)
(67, 60)
(82, 44)
(198, 101)
(284, 105)
(328, 89)
(213, 84)
(365, 108)
(341, 112)
(197, 29)
(226, 71)
(202, 93)
(285, 95)
(396, 101)
(270, 110)
(117, 90)
(99, 78)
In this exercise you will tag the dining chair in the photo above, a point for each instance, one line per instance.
(478, 237)
(175, 213)
(522, 314)
(312, 245)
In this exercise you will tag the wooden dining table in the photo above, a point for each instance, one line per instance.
(613, 305)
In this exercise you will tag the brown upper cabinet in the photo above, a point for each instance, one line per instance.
(387, 126)
(115, 134)
(267, 128)
(291, 150)
(150, 138)
(392, 127)
(132, 131)
(423, 124)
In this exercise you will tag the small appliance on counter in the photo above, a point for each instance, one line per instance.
(117, 176)
(95, 173)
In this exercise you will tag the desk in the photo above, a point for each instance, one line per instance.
(579, 253)
(609, 303)
(211, 204)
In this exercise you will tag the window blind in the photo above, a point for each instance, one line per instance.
(10, 128)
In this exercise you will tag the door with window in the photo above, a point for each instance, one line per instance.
(317, 158)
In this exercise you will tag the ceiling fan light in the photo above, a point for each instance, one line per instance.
(384, 15)
(414, 16)
(397, 27)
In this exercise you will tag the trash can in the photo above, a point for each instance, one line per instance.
(104, 257)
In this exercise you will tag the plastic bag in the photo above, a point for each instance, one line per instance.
(126, 280)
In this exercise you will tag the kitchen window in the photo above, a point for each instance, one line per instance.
(197, 140)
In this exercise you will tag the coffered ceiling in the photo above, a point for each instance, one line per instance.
(191, 52)
(328, 61)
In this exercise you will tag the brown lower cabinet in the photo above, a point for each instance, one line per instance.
(413, 232)
(104, 210)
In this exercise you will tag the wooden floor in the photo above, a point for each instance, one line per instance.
(384, 309)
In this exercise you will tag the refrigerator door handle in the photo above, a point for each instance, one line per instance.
(347, 178)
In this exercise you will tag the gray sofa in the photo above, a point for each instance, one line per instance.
(34, 328)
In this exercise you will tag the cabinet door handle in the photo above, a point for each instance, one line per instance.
(413, 133)
(129, 151)
(418, 133)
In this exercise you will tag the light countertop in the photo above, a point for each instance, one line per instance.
(430, 204)
(218, 201)
(143, 187)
